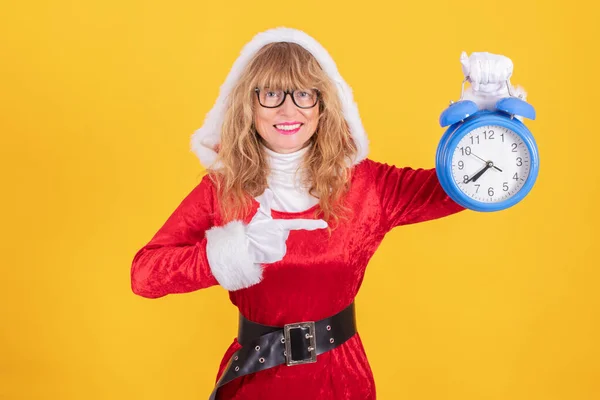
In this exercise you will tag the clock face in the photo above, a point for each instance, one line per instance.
(490, 164)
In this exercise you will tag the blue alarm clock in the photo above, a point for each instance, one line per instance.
(487, 160)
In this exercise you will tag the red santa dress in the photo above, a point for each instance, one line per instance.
(318, 277)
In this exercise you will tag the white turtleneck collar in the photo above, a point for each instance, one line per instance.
(285, 181)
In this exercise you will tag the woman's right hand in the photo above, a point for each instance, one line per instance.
(267, 236)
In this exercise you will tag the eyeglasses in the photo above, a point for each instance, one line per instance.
(302, 98)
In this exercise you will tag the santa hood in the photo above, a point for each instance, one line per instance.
(206, 140)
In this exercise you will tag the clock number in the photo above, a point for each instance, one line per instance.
(519, 161)
(461, 165)
(465, 150)
(514, 147)
(516, 176)
(476, 137)
(502, 135)
(465, 178)
(491, 191)
(485, 134)
(477, 190)
(505, 186)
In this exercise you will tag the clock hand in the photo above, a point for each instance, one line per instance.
(493, 166)
(480, 173)
(473, 154)
(477, 175)
(474, 178)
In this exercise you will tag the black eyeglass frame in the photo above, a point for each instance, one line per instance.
(285, 93)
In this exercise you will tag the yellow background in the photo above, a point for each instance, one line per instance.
(99, 99)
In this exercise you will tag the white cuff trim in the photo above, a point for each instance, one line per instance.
(227, 253)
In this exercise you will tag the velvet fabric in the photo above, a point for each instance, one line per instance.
(318, 277)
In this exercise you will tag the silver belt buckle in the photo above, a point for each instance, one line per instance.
(312, 347)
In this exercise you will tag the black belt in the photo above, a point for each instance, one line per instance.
(266, 346)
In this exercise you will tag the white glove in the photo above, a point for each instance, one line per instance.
(236, 251)
(267, 236)
(488, 74)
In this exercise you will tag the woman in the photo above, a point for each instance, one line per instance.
(286, 220)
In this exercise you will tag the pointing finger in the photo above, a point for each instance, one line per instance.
(307, 224)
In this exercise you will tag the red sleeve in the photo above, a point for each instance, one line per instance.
(410, 195)
(175, 261)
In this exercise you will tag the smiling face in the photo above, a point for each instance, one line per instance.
(279, 67)
(287, 128)
(249, 129)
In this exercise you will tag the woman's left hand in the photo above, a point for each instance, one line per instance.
(487, 72)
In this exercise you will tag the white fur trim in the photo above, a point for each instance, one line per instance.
(227, 253)
(205, 139)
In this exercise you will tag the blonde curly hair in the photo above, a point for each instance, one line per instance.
(244, 167)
